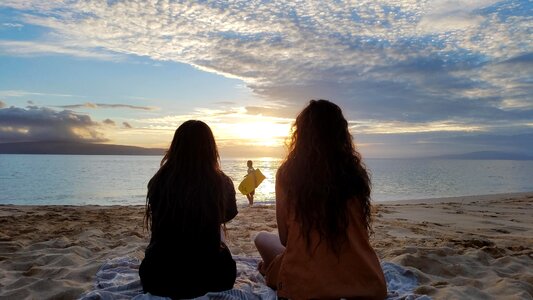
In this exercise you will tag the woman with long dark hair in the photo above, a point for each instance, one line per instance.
(323, 214)
(189, 200)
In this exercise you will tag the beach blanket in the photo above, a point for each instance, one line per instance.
(118, 278)
(401, 283)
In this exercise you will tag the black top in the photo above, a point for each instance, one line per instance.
(181, 265)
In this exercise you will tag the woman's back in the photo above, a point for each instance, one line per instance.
(183, 265)
(188, 200)
(323, 214)
(315, 271)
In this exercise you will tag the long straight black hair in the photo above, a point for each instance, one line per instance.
(185, 196)
(323, 172)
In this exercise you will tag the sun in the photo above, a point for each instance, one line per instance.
(259, 133)
(263, 133)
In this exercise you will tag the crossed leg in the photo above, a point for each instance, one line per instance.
(269, 246)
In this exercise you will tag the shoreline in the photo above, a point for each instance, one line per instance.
(473, 247)
(466, 198)
(243, 203)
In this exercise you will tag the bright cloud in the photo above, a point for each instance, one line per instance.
(379, 127)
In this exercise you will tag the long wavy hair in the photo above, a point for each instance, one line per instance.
(185, 195)
(323, 172)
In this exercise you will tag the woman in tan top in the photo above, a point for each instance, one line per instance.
(323, 215)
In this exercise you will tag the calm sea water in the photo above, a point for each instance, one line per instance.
(110, 180)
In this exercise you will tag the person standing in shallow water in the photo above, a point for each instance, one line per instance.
(251, 170)
(189, 199)
(323, 215)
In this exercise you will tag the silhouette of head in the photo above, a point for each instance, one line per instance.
(193, 144)
(186, 193)
(322, 125)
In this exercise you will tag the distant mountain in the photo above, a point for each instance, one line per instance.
(75, 148)
(488, 155)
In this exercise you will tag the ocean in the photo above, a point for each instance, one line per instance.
(122, 180)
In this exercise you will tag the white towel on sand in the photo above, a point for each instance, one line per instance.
(118, 278)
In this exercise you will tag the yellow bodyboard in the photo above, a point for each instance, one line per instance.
(251, 182)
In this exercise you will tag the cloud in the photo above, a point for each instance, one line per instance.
(273, 111)
(2, 104)
(31, 48)
(12, 25)
(453, 15)
(21, 93)
(105, 105)
(109, 122)
(439, 62)
(126, 125)
(44, 124)
(440, 143)
(36, 5)
(225, 103)
(277, 44)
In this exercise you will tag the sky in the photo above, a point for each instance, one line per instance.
(414, 78)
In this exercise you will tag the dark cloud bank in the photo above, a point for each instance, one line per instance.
(44, 124)
(40, 130)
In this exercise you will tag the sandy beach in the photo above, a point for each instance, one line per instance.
(477, 247)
